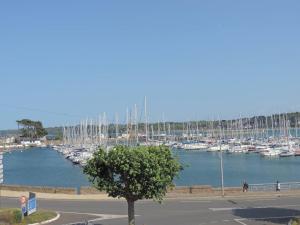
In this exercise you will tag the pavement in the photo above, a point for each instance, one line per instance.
(17, 194)
(171, 195)
(193, 210)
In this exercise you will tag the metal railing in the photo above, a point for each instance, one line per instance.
(273, 186)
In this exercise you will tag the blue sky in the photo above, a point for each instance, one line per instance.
(66, 60)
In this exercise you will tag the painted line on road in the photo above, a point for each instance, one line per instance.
(90, 214)
(109, 217)
(240, 221)
(79, 213)
(97, 219)
(258, 207)
(100, 216)
(224, 209)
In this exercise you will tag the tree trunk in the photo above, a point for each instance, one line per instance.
(131, 219)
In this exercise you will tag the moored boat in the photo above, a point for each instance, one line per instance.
(215, 148)
(287, 154)
(297, 152)
(271, 153)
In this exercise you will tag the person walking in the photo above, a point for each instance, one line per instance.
(277, 186)
(245, 186)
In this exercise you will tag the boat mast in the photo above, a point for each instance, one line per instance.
(221, 160)
(136, 124)
(146, 120)
(273, 124)
(164, 125)
(158, 130)
(127, 126)
(100, 130)
(117, 128)
(296, 127)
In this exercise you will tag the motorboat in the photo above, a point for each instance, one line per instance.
(237, 149)
(287, 154)
(195, 146)
(271, 152)
(215, 148)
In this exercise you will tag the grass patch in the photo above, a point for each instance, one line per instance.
(295, 221)
(14, 216)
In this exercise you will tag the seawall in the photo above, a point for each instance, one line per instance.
(179, 190)
(89, 193)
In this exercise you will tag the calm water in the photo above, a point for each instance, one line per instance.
(204, 168)
(46, 167)
(41, 167)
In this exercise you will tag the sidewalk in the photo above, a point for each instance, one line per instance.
(231, 195)
(16, 194)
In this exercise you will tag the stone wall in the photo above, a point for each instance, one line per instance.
(52, 190)
(203, 190)
(197, 190)
(89, 190)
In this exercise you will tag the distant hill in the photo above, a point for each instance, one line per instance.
(53, 131)
(8, 132)
(293, 118)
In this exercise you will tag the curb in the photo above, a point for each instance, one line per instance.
(47, 221)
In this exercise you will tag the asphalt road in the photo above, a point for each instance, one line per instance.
(245, 211)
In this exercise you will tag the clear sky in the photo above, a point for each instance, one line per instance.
(61, 61)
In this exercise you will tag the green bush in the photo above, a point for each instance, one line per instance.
(295, 221)
(17, 216)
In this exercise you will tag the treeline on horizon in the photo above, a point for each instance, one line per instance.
(262, 121)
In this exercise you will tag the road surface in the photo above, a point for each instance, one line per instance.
(184, 211)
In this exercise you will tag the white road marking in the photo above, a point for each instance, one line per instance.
(108, 217)
(257, 207)
(240, 221)
(224, 209)
(100, 216)
(95, 214)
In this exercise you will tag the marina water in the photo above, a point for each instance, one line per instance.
(46, 167)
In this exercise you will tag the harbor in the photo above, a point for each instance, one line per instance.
(260, 149)
(257, 149)
(150, 112)
(47, 167)
(271, 136)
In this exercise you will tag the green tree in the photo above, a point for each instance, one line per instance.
(133, 173)
(31, 129)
